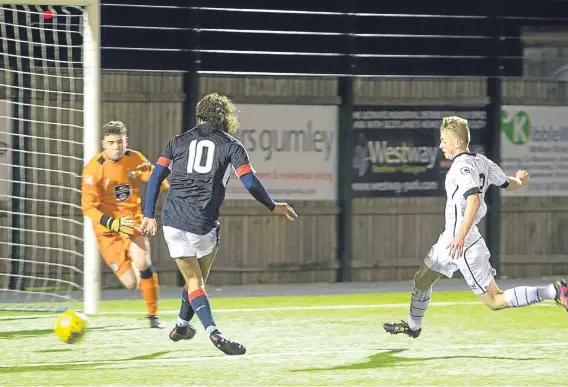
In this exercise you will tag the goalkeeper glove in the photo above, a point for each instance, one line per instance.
(141, 169)
(124, 224)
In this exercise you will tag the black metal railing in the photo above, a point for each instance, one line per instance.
(437, 39)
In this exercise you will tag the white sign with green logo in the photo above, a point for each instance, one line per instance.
(535, 138)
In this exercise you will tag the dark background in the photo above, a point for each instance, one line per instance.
(413, 37)
(397, 38)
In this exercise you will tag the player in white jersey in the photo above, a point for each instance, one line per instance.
(461, 246)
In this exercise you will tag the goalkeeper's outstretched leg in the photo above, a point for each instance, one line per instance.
(129, 259)
(148, 283)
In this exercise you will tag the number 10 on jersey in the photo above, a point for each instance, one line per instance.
(195, 162)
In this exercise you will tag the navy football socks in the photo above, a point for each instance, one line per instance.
(200, 304)
(186, 312)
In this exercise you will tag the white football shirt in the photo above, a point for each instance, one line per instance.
(470, 173)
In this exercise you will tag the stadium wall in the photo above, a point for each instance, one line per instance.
(390, 235)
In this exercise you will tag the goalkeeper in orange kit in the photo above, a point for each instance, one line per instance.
(110, 196)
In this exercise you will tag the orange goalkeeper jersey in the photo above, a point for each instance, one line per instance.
(112, 188)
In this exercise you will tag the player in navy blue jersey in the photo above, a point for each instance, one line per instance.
(199, 164)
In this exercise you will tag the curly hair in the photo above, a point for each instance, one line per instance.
(114, 127)
(219, 111)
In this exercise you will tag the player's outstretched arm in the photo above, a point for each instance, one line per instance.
(257, 190)
(521, 179)
(244, 170)
(159, 174)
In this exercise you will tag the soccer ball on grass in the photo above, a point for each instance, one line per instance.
(71, 326)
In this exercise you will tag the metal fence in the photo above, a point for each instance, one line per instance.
(362, 59)
(360, 46)
(396, 39)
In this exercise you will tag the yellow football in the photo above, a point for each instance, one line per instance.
(71, 326)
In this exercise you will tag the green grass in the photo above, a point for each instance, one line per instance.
(297, 341)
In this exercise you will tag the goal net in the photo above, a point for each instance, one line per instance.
(43, 81)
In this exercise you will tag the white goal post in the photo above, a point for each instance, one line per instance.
(86, 266)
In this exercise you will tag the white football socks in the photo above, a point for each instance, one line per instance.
(527, 295)
(419, 302)
(181, 323)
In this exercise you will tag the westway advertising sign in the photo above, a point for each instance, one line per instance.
(293, 149)
(535, 138)
(397, 148)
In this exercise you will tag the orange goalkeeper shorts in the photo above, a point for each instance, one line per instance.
(115, 247)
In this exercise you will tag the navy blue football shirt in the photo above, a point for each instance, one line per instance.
(200, 161)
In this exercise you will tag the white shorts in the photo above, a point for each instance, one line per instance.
(474, 265)
(185, 244)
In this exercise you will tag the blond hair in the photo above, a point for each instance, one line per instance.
(458, 127)
(219, 111)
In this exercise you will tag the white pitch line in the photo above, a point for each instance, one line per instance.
(319, 307)
(279, 309)
(300, 355)
(300, 308)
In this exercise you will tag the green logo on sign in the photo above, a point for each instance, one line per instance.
(517, 128)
